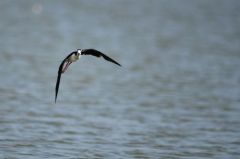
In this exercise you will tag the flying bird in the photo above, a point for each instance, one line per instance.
(73, 57)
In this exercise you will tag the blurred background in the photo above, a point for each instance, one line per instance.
(176, 96)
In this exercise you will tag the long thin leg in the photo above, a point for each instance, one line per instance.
(66, 66)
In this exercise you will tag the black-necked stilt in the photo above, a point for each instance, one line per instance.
(74, 56)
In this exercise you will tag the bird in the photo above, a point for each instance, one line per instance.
(73, 57)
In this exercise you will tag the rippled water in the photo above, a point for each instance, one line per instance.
(176, 96)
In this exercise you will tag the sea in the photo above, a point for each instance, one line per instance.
(176, 96)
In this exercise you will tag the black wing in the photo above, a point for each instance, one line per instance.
(59, 75)
(98, 54)
(57, 86)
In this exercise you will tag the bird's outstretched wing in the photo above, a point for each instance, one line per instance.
(59, 75)
(57, 86)
(98, 54)
(58, 79)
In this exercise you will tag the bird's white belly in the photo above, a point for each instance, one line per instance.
(74, 58)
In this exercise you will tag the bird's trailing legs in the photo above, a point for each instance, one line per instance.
(66, 66)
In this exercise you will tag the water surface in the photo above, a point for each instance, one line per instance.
(176, 96)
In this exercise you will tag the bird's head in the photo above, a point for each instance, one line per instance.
(79, 51)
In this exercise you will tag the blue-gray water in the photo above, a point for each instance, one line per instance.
(176, 96)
